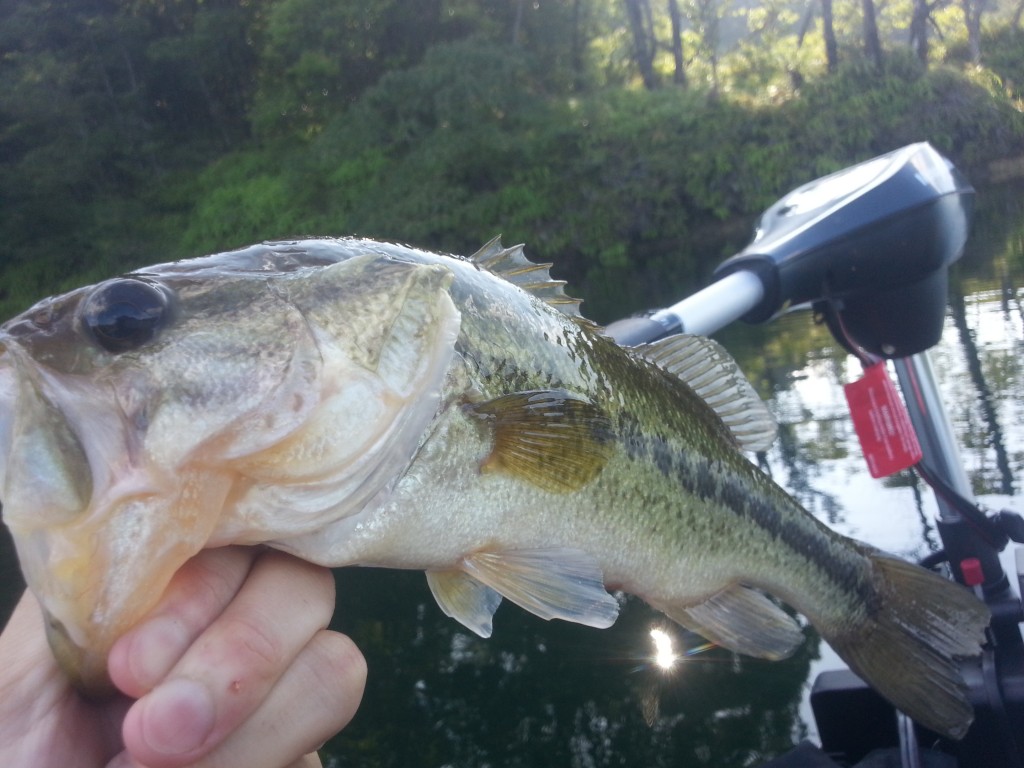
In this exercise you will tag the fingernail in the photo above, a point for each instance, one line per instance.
(155, 648)
(178, 716)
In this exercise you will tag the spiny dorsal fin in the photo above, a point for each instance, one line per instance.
(712, 373)
(512, 265)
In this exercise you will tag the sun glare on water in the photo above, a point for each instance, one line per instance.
(665, 655)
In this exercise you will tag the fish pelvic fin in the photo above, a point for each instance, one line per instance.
(553, 583)
(553, 439)
(465, 599)
(512, 265)
(743, 620)
(908, 648)
(711, 372)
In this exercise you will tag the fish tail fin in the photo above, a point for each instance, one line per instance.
(908, 647)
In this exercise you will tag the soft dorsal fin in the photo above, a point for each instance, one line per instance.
(712, 373)
(512, 265)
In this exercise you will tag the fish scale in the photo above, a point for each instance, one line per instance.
(361, 403)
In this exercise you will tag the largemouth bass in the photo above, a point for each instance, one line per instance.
(360, 403)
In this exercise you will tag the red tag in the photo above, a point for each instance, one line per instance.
(882, 423)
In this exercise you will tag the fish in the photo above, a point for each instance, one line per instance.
(355, 402)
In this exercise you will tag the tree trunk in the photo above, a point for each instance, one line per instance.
(919, 30)
(679, 72)
(829, 33)
(872, 45)
(643, 44)
(973, 10)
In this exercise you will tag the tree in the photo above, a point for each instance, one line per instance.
(973, 10)
(202, 67)
(644, 45)
(705, 16)
(829, 33)
(872, 44)
(679, 64)
(920, 15)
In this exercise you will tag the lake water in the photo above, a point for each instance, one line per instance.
(554, 694)
(551, 694)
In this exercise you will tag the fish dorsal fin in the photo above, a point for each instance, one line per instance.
(716, 378)
(743, 620)
(511, 264)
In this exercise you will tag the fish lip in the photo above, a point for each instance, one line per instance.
(85, 669)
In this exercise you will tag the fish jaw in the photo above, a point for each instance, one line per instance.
(115, 469)
(96, 578)
(92, 578)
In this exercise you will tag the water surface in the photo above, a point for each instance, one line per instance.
(554, 694)
(551, 694)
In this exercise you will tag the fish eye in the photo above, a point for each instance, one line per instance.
(125, 314)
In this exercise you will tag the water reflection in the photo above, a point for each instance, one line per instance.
(543, 694)
(553, 694)
(539, 693)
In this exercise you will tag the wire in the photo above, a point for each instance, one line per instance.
(971, 513)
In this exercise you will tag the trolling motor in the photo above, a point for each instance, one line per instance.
(869, 249)
(869, 245)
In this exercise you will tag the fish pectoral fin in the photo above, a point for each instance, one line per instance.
(552, 438)
(556, 583)
(465, 599)
(743, 620)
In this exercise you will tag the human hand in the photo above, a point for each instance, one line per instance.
(232, 668)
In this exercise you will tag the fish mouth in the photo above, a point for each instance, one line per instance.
(85, 669)
(96, 583)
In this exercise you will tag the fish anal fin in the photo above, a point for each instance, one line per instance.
(743, 620)
(908, 648)
(512, 265)
(550, 438)
(554, 583)
(465, 599)
(716, 378)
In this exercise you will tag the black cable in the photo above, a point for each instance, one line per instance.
(971, 512)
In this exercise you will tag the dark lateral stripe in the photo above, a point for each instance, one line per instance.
(716, 483)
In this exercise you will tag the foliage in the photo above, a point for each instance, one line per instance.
(134, 131)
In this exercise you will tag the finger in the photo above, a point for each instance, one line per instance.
(313, 700)
(224, 676)
(312, 760)
(43, 721)
(124, 760)
(196, 596)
